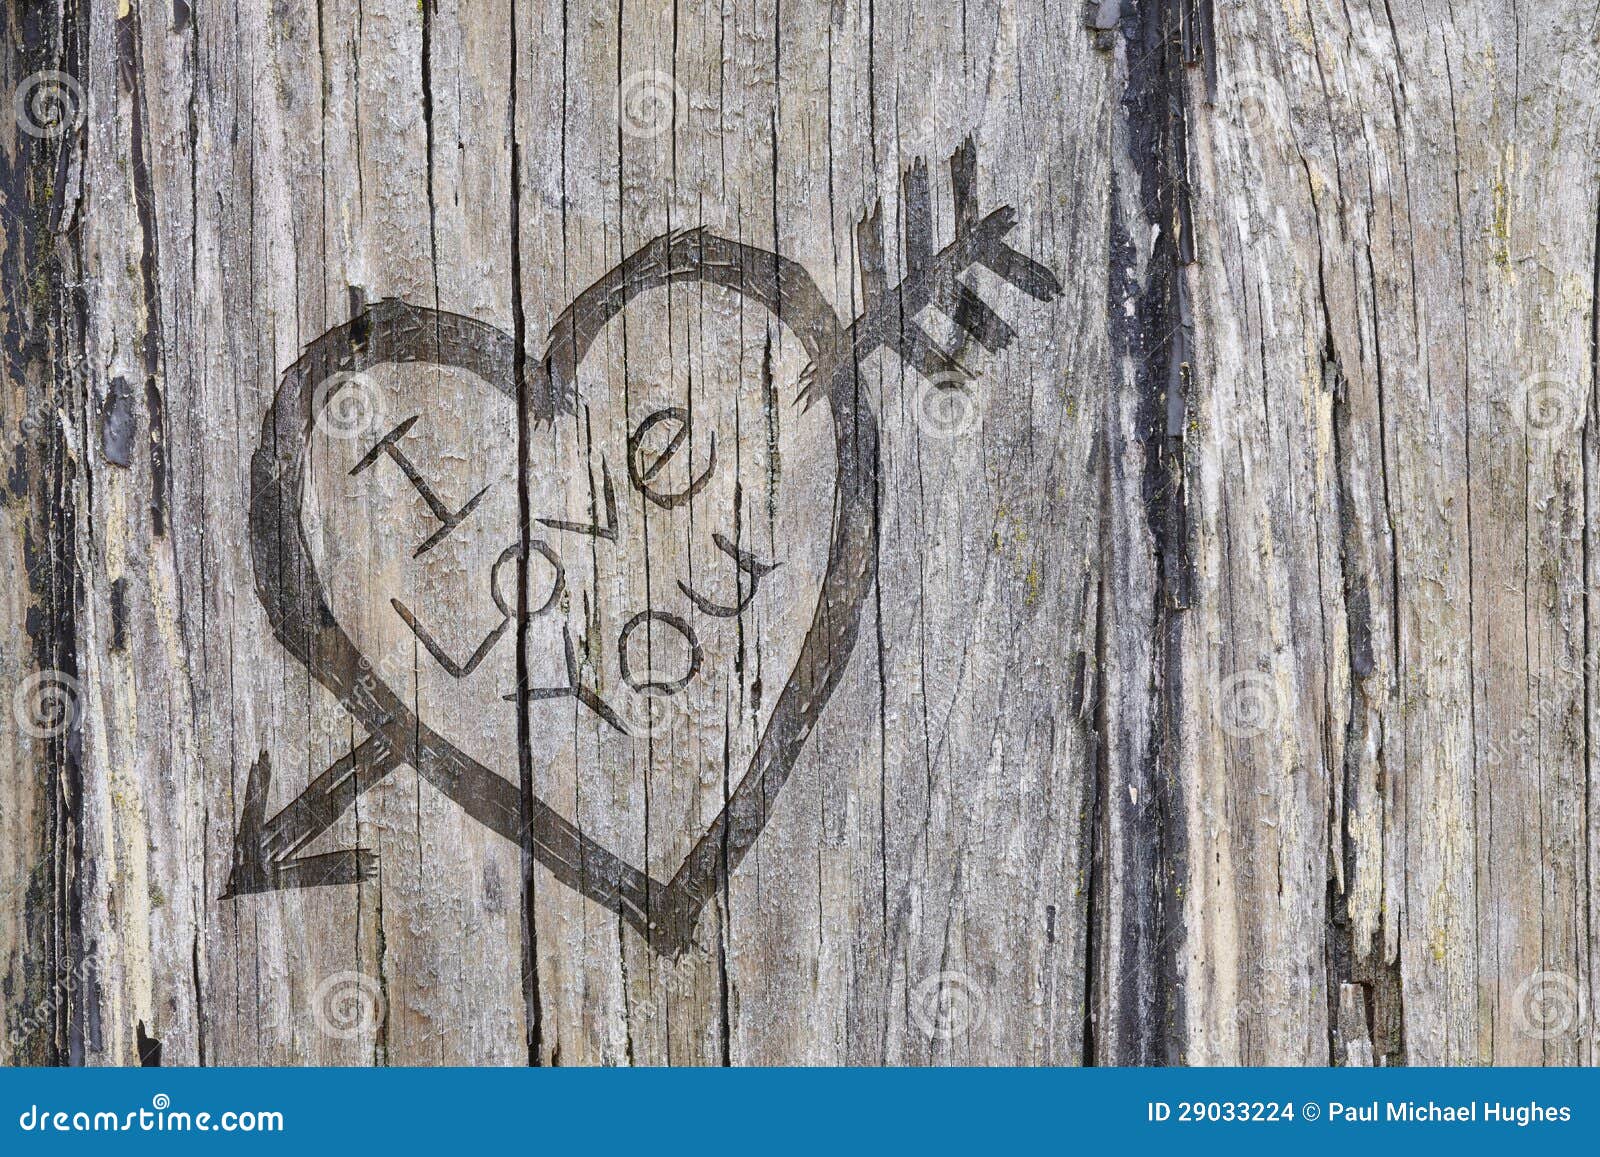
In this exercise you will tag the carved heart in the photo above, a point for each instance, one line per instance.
(394, 333)
(297, 602)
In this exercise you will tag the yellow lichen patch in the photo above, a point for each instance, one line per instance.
(1500, 227)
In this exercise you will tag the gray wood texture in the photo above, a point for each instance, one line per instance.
(1183, 657)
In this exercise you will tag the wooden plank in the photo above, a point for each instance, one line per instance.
(745, 534)
(1400, 413)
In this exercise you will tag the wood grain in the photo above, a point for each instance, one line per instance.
(1178, 650)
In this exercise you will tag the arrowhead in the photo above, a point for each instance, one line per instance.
(253, 871)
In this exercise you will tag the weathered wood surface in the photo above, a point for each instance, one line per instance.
(1204, 676)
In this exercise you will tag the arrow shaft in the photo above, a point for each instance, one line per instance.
(494, 802)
